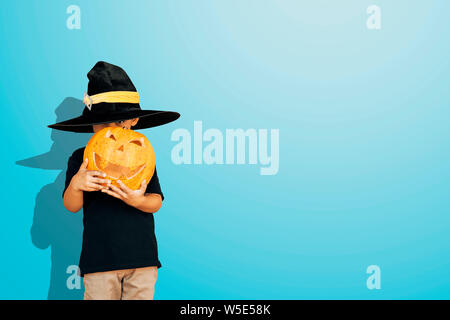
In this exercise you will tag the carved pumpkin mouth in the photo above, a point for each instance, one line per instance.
(116, 171)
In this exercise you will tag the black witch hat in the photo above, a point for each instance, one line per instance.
(112, 97)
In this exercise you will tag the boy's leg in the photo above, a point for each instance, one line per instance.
(103, 285)
(139, 283)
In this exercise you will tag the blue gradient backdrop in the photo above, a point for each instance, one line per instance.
(364, 128)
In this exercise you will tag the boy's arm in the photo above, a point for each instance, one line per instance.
(83, 180)
(146, 202)
(73, 199)
(151, 203)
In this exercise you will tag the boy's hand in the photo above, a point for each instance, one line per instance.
(89, 180)
(131, 197)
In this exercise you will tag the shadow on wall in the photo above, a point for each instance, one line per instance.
(53, 225)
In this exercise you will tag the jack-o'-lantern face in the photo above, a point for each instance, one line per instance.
(124, 155)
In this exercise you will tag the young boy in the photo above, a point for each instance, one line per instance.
(119, 256)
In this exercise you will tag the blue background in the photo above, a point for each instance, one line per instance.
(364, 127)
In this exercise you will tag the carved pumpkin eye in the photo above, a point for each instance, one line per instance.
(110, 135)
(139, 142)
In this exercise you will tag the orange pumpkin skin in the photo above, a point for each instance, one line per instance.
(124, 155)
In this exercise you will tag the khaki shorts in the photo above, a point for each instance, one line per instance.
(127, 284)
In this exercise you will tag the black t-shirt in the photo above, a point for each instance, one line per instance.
(115, 236)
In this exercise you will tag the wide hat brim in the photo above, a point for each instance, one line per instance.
(147, 119)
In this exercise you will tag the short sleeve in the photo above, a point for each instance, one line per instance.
(153, 186)
(73, 166)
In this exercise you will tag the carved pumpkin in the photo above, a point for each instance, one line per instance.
(124, 155)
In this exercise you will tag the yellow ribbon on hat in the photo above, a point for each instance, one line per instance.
(111, 97)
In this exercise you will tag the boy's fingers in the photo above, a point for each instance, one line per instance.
(99, 180)
(96, 173)
(143, 186)
(84, 164)
(117, 190)
(112, 193)
(95, 186)
(92, 187)
(124, 187)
